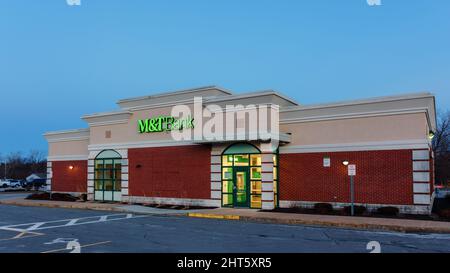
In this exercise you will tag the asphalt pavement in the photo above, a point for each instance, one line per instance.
(55, 230)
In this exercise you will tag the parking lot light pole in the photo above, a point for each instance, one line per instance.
(352, 193)
(4, 162)
(351, 172)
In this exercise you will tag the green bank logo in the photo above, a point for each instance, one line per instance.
(164, 124)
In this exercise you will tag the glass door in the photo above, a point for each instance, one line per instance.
(241, 187)
(108, 179)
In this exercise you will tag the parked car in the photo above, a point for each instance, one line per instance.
(4, 184)
(36, 183)
(13, 183)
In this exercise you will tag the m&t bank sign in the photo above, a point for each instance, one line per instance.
(164, 124)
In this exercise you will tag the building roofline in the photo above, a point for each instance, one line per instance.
(177, 92)
(70, 131)
(253, 94)
(105, 114)
(360, 101)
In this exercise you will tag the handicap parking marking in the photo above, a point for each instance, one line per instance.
(69, 248)
(61, 240)
(31, 227)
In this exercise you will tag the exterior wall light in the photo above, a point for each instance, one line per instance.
(431, 135)
(70, 167)
(345, 162)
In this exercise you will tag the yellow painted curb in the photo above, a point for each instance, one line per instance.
(214, 216)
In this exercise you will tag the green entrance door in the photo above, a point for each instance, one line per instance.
(241, 186)
(108, 176)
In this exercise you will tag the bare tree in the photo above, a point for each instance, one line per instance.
(441, 148)
(2, 166)
(36, 159)
(19, 166)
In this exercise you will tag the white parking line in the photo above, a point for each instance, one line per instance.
(81, 246)
(28, 227)
(35, 226)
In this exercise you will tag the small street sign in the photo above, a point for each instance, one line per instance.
(352, 170)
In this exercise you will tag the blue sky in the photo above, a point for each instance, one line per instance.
(58, 62)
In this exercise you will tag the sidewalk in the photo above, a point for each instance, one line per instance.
(371, 223)
(386, 224)
(93, 206)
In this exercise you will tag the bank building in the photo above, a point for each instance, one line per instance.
(129, 155)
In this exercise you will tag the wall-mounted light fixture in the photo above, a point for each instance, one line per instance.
(71, 167)
(345, 162)
(431, 135)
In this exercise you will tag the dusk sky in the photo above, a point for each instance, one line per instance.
(59, 62)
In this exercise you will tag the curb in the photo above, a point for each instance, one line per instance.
(214, 216)
(64, 206)
(362, 226)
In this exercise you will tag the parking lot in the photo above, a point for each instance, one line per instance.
(51, 230)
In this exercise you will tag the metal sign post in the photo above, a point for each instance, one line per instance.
(352, 174)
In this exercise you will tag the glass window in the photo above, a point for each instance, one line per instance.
(227, 199)
(108, 154)
(255, 201)
(255, 160)
(118, 175)
(227, 160)
(108, 185)
(117, 185)
(255, 173)
(227, 173)
(256, 187)
(98, 185)
(241, 148)
(241, 160)
(98, 174)
(108, 163)
(108, 174)
(98, 164)
(227, 186)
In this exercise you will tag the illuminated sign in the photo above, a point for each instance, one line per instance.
(164, 124)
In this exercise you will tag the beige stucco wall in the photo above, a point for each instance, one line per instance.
(68, 148)
(402, 127)
(128, 132)
(363, 129)
(357, 130)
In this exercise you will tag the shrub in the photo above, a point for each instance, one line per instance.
(39, 196)
(388, 211)
(323, 208)
(54, 197)
(83, 197)
(359, 210)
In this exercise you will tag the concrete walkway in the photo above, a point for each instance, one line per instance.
(92, 206)
(371, 223)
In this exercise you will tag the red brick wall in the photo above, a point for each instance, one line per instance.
(178, 172)
(383, 177)
(66, 180)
